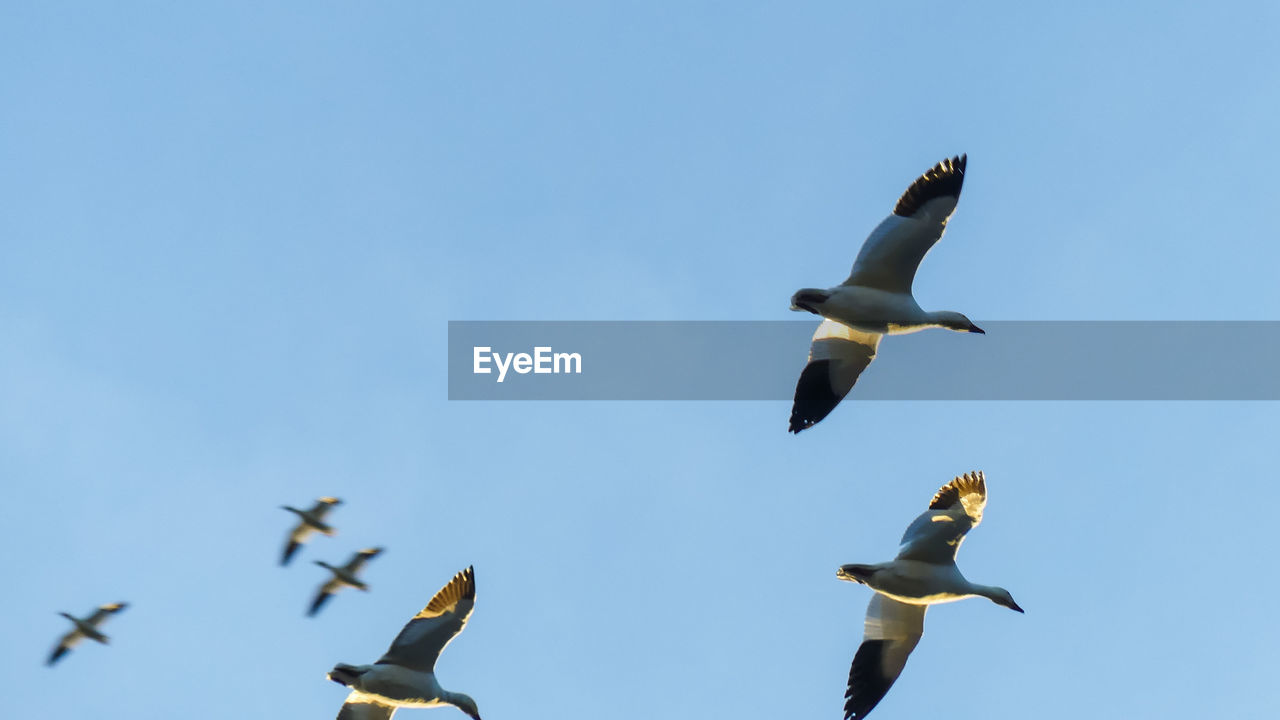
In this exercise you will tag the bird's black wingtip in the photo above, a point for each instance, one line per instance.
(814, 398)
(318, 603)
(469, 580)
(867, 682)
(942, 180)
(797, 427)
(290, 550)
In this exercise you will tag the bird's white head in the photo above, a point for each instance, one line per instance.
(955, 321)
(348, 675)
(464, 703)
(810, 300)
(1000, 596)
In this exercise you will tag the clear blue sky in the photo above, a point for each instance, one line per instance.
(231, 238)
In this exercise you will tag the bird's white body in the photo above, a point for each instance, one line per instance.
(399, 686)
(343, 578)
(922, 583)
(89, 631)
(876, 311)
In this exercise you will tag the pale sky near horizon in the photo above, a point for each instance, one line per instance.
(231, 239)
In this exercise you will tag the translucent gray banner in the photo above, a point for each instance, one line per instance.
(761, 360)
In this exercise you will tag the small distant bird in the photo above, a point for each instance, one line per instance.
(344, 576)
(86, 628)
(924, 573)
(309, 521)
(876, 300)
(405, 676)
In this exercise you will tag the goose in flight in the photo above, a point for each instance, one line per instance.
(344, 576)
(876, 300)
(309, 521)
(86, 628)
(405, 675)
(924, 573)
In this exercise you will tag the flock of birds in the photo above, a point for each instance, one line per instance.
(876, 300)
(403, 677)
(311, 522)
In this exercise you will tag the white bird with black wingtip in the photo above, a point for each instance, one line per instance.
(876, 299)
(405, 676)
(86, 628)
(309, 521)
(343, 576)
(924, 573)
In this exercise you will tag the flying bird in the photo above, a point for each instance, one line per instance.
(405, 675)
(876, 300)
(924, 573)
(344, 576)
(86, 628)
(309, 521)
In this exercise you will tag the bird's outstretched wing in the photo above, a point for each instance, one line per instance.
(837, 356)
(421, 641)
(358, 560)
(891, 632)
(67, 642)
(935, 536)
(892, 252)
(104, 612)
(323, 506)
(290, 549)
(322, 596)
